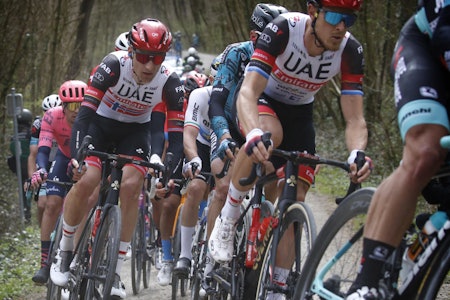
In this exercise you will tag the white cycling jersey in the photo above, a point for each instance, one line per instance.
(197, 113)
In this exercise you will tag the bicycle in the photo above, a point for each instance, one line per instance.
(143, 243)
(94, 270)
(288, 212)
(331, 268)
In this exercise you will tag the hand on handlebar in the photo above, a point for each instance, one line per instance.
(192, 168)
(258, 145)
(361, 166)
(74, 171)
(38, 178)
(226, 149)
(163, 191)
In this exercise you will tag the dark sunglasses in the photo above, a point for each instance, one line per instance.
(145, 57)
(334, 18)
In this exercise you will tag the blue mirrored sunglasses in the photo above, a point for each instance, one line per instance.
(334, 18)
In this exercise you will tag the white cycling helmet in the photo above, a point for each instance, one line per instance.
(51, 101)
(122, 42)
(192, 51)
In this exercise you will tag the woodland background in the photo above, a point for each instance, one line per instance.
(46, 42)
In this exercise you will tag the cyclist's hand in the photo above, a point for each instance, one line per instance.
(73, 170)
(163, 191)
(192, 168)
(254, 146)
(38, 178)
(358, 176)
(155, 159)
(224, 150)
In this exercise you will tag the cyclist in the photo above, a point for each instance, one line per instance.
(119, 110)
(55, 126)
(49, 102)
(230, 70)
(168, 209)
(196, 140)
(294, 57)
(121, 42)
(420, 69)
(24, 120)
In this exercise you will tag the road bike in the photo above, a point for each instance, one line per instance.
(93, 271)
(289, 215)
(332, 266)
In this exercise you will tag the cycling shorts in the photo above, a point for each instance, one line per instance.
(131, 139)
(58, 172)
(421, 82)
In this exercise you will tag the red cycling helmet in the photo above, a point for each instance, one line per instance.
(347, 4)
(150, 35)
(195, 80)
(72, 91)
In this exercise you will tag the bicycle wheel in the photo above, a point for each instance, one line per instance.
(105, 254)
(54, 291)
(435, 281)
(176, 249)
(299, 217)
(80, 263)
(150, 246)
(198, 257)
(330, 266)
(138, 249)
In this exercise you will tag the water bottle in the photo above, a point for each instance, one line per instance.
(412, 253)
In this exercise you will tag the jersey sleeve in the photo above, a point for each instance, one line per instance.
(352, 68)
(271, 43)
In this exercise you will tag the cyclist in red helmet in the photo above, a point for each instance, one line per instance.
(295, 55)
(56, 126)
(125, 106)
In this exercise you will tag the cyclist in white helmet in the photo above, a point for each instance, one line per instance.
(122, 42)
(49, 102)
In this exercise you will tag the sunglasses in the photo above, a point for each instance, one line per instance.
(334, 18)
(145, 57)
(73, 106)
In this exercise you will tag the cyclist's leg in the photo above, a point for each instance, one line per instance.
(75, 208)
(393, 205)
(194, 194)
(169, 207)
(130, 188)
(52, 210)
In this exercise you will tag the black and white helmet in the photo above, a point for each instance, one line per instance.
(263, 14)
(122, 42)
(51, 101)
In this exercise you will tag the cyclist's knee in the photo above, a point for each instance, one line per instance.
(53, 205)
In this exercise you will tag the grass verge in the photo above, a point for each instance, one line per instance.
(19, 259)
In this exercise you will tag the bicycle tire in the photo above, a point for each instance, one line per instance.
(81, 261)
(54, 291)
(137, 252)
(178, 282)
(349, 217)
(150, 248)
(301, 217)
(198, 257)
(105, 255)
(435, 274)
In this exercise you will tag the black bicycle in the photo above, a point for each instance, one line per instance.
(289, 213)
(332, 266)
(99, 276)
